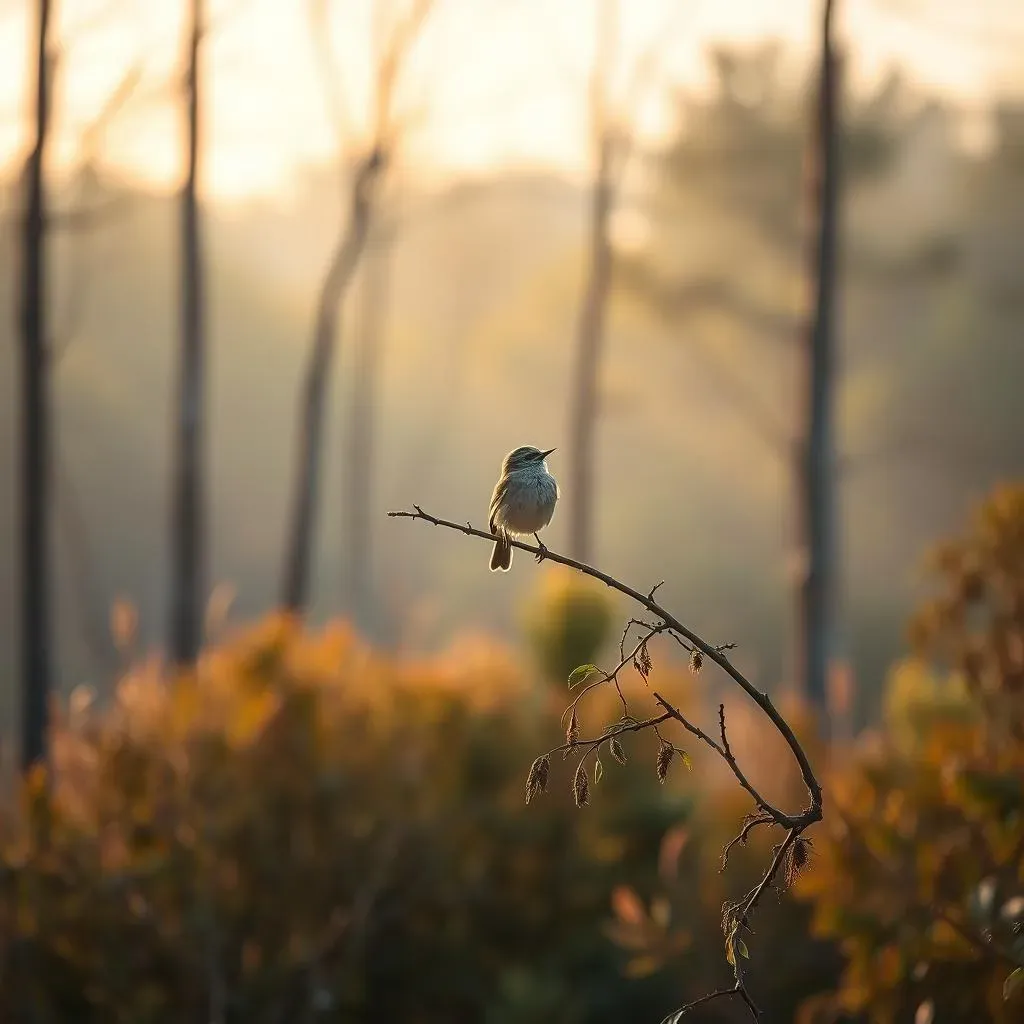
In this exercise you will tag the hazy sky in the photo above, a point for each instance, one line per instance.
(491, 82)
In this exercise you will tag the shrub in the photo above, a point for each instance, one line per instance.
(301, 829)
(920, 872)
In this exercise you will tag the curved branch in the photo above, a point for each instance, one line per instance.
(813, 811)
(736, 915)
(719, 993)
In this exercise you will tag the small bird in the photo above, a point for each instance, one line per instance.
(523, 502)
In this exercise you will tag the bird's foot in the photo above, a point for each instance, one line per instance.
(539, 557)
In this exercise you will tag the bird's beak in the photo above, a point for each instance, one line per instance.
(544, 455)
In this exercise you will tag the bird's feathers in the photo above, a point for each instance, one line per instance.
(501, 556)
(523, 501)
(500, 489)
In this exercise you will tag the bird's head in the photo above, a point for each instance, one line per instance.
(525, 457)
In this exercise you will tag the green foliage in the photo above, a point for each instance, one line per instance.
(581, 673)
(920, 874)
(302, 830)
(567, 622)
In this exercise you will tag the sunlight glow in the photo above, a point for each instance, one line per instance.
(490, 83)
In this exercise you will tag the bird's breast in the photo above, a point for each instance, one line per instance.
(529, 503)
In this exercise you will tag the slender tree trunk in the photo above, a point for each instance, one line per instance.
(362, 434)
(187, 540)
(589, 343)
(295, 584)
(816, 469)
(35, 427)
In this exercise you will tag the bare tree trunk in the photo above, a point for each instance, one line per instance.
(586, 378)
(816, 470)
(36, 669)
(362, 436)
(295, 586)
(187, 539)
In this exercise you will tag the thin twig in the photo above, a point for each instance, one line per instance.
(723, 751)
(720, 993)
(752, 822)
(751, 901)
(613, 676)
(587, 745)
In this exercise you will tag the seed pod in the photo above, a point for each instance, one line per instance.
(537, 779)
(581, 785)
(572, 733)
(642, 662)
(665, 754)
(796, 859)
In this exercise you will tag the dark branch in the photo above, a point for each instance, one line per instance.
(723, 751)
(587, 745)
(737, 914)
(751, 901)
(720, 993)
(752, 821)
(812, 813)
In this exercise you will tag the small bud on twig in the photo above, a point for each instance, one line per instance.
(696, 661)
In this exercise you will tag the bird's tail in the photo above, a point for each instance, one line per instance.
(501, 556)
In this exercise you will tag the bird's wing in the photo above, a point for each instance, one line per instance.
(496, 499)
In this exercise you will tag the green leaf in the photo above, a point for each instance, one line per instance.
(742, 947)
(580, 673)
(686, 759)
(598, 771)
(1013, 984)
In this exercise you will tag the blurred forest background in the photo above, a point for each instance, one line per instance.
(484, 284)
(437, 225)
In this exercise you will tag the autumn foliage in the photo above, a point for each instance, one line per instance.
(305, 829)
(920, 873)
